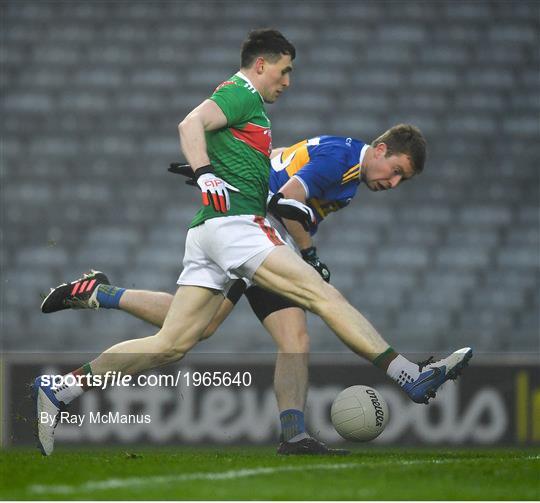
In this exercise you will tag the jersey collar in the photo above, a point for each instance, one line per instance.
(243, 77)
(362, 154)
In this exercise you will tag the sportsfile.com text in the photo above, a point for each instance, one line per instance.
(187, 378)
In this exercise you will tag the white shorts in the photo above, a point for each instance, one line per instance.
(224, 249)
(283, 232)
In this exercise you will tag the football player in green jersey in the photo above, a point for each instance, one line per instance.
(227, 141)
(328, 168)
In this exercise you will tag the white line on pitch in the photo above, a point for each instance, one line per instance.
(103, 485)
(165, 479)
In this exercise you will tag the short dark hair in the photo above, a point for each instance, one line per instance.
(405, 139)
(265, 42)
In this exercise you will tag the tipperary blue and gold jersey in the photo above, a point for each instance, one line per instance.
(327, 166)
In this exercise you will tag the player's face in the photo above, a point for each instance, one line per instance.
(275, 78)
(384, 173)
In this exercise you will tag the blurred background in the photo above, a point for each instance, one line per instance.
(92, 93)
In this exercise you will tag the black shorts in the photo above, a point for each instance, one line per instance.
(263, 302)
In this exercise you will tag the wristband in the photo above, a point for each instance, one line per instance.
(310, 252)
(203, 170)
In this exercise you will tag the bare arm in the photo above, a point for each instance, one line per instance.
(206, 117)
(293, 189)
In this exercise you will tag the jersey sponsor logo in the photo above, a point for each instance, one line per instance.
(257, 137)
(223, 84)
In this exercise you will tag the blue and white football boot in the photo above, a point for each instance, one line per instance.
(48, 409)
(434, 373)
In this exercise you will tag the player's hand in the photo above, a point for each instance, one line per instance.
(290, 209)
(310, 256)
(215, 191)
(179, 168)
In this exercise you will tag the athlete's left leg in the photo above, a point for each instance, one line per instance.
(285, 273)
(93, 291)
(286, 323)
(291, 379)
(146, 305)
(191, 311)
(153, 307)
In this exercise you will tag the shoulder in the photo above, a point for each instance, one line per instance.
(236, 87)
(335, 147)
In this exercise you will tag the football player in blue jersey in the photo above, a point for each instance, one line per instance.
(325, 173)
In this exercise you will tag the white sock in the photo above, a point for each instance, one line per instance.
(68, 391)
(402, 370)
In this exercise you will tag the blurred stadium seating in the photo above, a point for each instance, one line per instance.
(92, 94)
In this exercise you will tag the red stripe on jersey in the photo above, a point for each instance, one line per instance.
(223, 84)
(257, 137)
(90, 285)
(269, 231)
(75, 288)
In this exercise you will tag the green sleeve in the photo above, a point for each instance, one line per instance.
(237, 103)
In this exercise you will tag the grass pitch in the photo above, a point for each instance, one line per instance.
(257, 473)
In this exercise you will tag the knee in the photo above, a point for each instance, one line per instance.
(294, 341)
(173, 350)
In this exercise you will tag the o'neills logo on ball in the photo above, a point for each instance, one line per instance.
(379, 414)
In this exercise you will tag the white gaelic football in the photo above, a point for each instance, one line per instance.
(359, 413)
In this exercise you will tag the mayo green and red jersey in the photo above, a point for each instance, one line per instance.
(240, 152)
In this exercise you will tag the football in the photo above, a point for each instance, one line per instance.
(359, 413)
